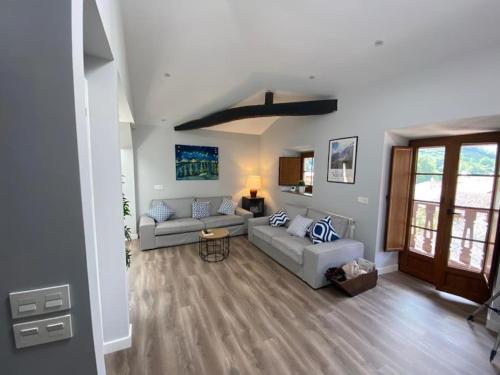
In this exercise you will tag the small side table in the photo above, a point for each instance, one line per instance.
(254, 205)
(215, 246)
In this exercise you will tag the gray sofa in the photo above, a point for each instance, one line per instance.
(182, 228)
(299, 255)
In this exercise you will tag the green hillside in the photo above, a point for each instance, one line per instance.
(478, 159)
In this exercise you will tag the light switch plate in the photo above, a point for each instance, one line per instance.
(42, 331)
(39, 301)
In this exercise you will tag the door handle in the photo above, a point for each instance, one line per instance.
(450, 211)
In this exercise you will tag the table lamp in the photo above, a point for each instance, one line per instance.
(253, 183)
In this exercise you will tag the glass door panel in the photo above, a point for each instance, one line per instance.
(426, 200)
(474, 216)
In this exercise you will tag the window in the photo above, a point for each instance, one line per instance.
(307, 172)
(292, 169)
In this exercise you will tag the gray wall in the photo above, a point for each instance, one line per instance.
(41, 226)
(467, 86)
(154, 152)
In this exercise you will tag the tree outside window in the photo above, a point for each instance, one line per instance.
(308, 170)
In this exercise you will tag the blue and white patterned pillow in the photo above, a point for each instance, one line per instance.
(160, 212)
(278, 219)
(227, 207)
(323, 231)
(201, 209)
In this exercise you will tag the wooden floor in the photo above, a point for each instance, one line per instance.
(248, 315)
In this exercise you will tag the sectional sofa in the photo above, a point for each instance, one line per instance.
(299, 255)
(181, 228)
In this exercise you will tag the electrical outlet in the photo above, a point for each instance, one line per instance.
(363, 200)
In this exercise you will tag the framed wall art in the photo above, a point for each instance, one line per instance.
(196, 162)
(342, 154)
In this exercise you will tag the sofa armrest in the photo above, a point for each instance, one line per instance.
(318, 258)
(242, 212)
(264, 220)
(147, 239)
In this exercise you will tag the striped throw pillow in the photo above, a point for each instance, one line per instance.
(323, 231)
(278, 219)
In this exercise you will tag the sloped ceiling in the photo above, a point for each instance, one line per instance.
(219, 53)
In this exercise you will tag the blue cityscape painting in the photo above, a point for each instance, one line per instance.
(196, 162)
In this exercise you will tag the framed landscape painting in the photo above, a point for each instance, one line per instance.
(196, 162)
(342, 160)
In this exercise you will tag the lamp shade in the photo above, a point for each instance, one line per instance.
(254, 182)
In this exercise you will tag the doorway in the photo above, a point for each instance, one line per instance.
(452, 213)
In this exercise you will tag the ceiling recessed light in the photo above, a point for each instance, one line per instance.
(378, 43)
(312, 77)
(167, 75)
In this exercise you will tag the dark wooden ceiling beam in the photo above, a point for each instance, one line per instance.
(269, 109)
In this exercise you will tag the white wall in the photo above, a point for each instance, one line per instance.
(455, 89)
(154, 149)
(111, 16)
(86, 180)
(105, 150)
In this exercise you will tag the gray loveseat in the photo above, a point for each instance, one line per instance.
(182, 228)
(299, 255)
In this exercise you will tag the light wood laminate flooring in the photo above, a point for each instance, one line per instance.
(249, 315)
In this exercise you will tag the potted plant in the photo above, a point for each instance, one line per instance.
(301, 186)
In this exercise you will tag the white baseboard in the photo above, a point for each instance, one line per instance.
(388, 269)
(119, 344)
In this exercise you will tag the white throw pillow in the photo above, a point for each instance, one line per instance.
(298, 226)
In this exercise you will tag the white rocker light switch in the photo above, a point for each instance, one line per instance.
(42, 331)
(26, 308)
(39, 301)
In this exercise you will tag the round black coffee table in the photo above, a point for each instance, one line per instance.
(214, 247)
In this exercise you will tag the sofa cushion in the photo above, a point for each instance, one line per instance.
(175, 226)
(340, 223)
(298, 227)
(293, 210)
(267, 232)
(323, 231)
(278, 219)
(160, 212)
(227, 207)
(291, 246)
(201, 209)
(222, 221)
(215, 203)
(181, 206)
